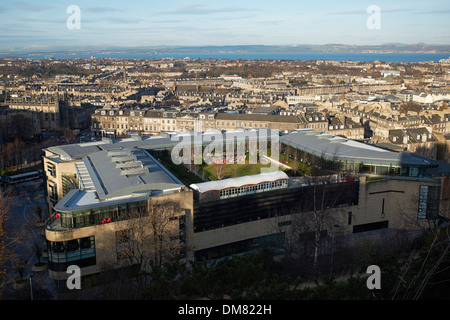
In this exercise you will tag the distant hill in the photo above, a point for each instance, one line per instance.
(384, 48)
(300, 48)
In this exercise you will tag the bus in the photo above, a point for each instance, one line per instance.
(34, 176)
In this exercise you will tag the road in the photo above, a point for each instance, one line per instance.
(23, 234)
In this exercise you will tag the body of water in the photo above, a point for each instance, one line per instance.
(386, 57)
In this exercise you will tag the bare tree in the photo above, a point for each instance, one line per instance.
(323, 212)
(431, 259)
(219, 170)
(312, 220)
(164, 221)
(147, 236)
(5, 205)
(151, 234)
(10, 240)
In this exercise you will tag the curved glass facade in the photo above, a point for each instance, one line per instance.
(80, 252)
(95, 216)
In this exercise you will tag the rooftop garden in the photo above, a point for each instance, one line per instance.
(196, 173)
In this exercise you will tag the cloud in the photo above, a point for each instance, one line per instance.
(100, 9)
(443, 11)
(30, 6)
(350, 12)
(364, 11)
(200, 9)
(118, 20)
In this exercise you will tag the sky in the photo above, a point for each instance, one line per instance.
(47, 24)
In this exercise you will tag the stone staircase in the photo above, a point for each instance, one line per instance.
(84, 179)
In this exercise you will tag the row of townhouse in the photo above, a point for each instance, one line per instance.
(195, 94)
(121, 123)
(389, 117)
(413, 133)
(416, 140)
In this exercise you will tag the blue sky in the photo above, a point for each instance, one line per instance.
(41, 25)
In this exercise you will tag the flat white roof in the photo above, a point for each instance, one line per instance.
(240, 181)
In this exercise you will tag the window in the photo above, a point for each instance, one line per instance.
(428, 202)
(423, 195)
(53, 192)
(51, 169)
(124, 244)
(81, 252)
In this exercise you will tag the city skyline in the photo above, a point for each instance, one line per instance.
(45, 25)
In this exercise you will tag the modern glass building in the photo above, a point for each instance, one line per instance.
(113, 183)
(341, 154)
(88, 225)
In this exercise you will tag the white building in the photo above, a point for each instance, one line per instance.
(292, 100)
(430, 97)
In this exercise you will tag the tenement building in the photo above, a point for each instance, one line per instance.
(54, 109)
(115, 122)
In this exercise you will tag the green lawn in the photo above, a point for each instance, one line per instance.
(211, 171)
(227, 170)
(180, 171)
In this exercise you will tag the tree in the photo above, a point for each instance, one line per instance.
(410, 107)
(12, 235)
(147, 240)
(5, 205)
(249, 276)
(38, 211)
(322, 213)
(150, 234)
(164, 222)
(426, 270)
(313, 222)
(219, 170)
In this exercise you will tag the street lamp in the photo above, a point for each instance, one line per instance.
(29, 276)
